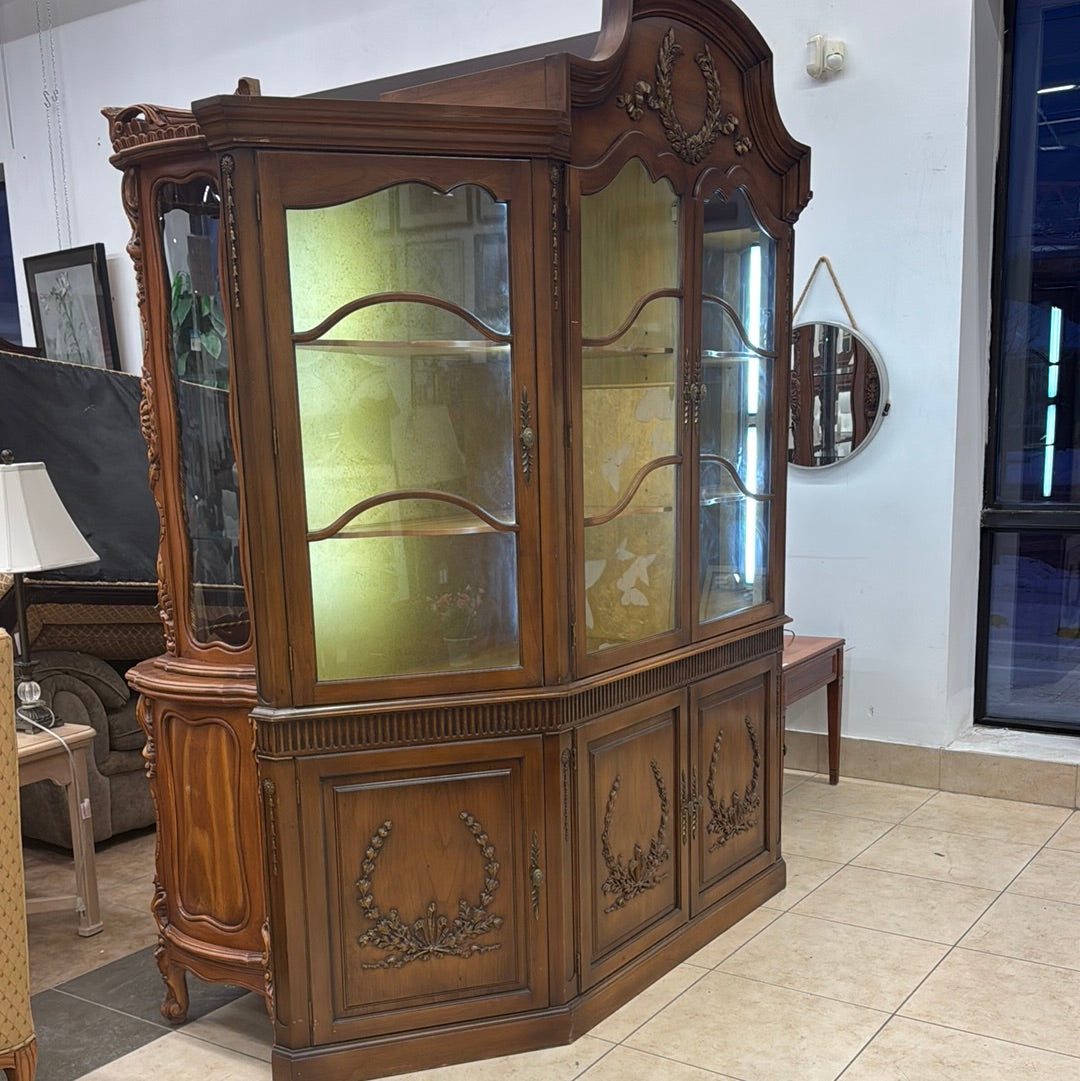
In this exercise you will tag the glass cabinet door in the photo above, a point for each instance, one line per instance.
(733, 396)
(189, 223)
(409, 428)
(631, 309)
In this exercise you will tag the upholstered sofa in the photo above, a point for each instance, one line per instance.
(83, 689)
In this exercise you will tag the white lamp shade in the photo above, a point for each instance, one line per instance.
(36, 532)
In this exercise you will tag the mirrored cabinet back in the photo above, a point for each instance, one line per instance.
(466, 410)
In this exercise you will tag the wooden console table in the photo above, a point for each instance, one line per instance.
(812, 663)
(42, 758)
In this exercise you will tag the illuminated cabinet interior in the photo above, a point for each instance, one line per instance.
(463, 422)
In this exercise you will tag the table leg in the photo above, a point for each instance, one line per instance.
(835, 696)
(82, 843)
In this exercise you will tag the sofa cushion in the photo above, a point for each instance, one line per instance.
(102, 679)
(118, 762)
(125, 733)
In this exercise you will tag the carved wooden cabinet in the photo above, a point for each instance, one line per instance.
(196, 699)
(501, 358)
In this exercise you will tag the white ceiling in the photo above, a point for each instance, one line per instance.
(20, 18)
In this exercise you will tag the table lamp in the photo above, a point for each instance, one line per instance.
(36, 534)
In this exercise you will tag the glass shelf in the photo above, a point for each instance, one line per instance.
(597, 351)
(714, 499)
(400, 348)
(722, 356)
(457, 526)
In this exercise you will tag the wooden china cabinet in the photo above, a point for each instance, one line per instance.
(503, 361)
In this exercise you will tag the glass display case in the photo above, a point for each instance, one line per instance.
(501, 385)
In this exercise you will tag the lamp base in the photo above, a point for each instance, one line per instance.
(31, 718)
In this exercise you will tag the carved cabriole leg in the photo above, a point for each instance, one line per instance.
(175, 1007)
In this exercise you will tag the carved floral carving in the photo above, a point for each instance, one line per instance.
(432, 935)
(692, 147)
(729, 821)
(642, 872)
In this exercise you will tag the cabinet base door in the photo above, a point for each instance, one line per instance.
(735, 779)
(632, 864)
(425, 880)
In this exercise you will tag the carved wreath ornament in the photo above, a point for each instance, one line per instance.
(626, 880)
(433, 934)
(692, 147)
(729, 820)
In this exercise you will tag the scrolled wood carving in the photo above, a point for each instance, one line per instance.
(729, 821)
(692, 147)
(432, 935)
(642, 872)
(136, 125)
(269, 988)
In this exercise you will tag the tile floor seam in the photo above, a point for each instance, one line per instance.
(740, 946)
(595, 1062)
(194, 1035)
(984, 1036)
(704, 972)
(866, 927)
(854, 1058)
(1022, 960)
(665, 1058)
(802, 991)
(681, 1062)
(978, 836)
(163, 1026)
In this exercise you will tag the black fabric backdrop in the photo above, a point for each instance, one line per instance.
(83, 423)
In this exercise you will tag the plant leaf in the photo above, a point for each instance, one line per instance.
(211, 343)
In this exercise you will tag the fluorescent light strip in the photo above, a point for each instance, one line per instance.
(1054, 360)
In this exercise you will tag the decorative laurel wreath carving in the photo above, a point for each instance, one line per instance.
(433, 934)
(642, 872)
(692, 147)
(728, 822)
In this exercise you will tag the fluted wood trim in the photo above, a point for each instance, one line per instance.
(288, 733)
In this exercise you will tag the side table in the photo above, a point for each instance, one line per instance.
(42, 758)
(809, 664)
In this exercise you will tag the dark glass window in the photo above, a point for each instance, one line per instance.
(1029, 658)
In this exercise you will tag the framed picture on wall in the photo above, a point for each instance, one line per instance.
(71, 306)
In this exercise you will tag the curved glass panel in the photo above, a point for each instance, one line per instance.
(415, 599)
(737, 370)
(630, 369)
(378, 420)
(629, 248)
(188, 216)
(406, 239)
(404, 370)
(630, 577)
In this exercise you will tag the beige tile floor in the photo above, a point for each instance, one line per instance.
(923, 936)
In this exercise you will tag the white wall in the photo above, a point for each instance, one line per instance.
(170, 52)
(881, 550)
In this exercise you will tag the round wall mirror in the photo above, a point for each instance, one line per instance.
(839, 394)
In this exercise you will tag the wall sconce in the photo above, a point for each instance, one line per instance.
(824, 56)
